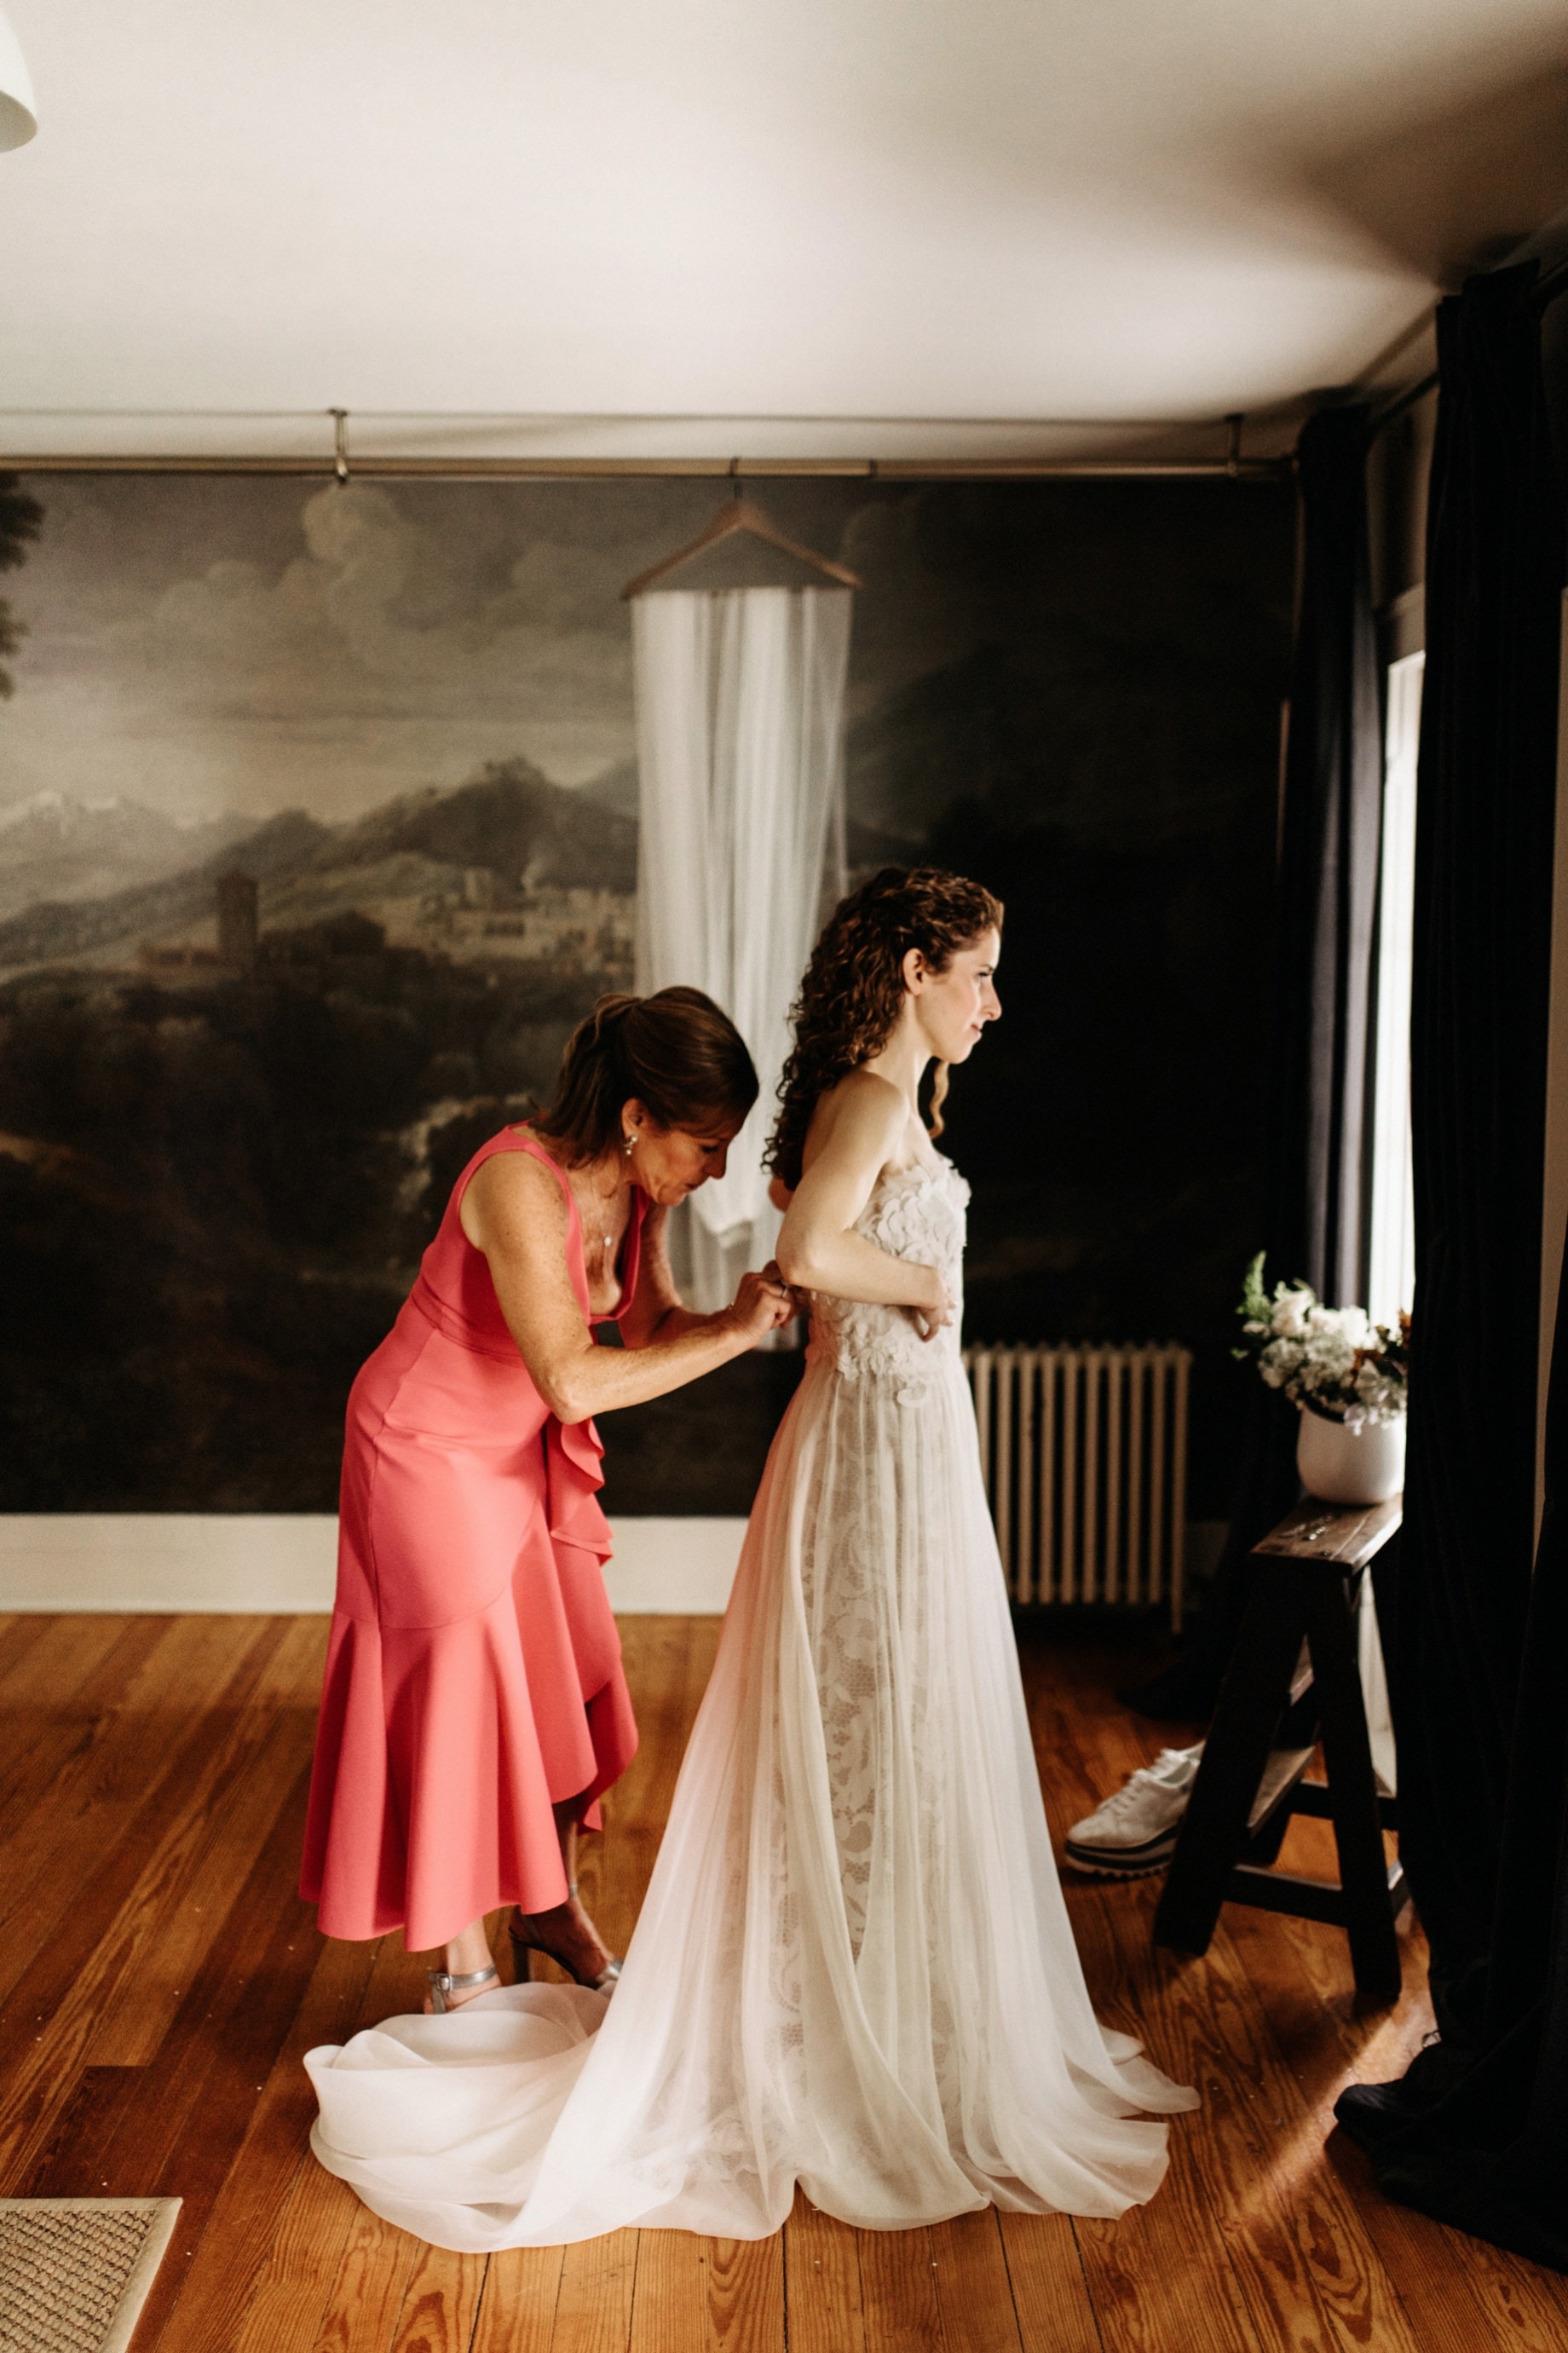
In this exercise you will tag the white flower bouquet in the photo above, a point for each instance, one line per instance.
(1331, 1360)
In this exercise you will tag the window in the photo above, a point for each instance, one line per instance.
(1391, 1259)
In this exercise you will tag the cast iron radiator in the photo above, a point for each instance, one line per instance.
(1085, 1457)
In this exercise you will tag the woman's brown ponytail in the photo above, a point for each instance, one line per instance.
(676, 1052)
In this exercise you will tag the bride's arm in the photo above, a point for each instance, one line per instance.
(860, 1128)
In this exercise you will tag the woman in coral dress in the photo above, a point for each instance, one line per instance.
(474, 1708)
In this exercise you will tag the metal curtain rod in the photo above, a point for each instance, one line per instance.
(633, 416)
(489, 470)
(1233, 465)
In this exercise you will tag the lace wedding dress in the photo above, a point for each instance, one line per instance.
(854, 1968)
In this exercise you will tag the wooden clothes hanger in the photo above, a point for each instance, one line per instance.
(742, 515)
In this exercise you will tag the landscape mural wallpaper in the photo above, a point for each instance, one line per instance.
(318, 830)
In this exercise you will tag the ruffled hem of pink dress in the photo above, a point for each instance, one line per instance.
(439, 1761)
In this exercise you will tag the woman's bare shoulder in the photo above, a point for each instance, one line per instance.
(863, 1112)
(864, 1081)
(863, 1096)
(512, 1188)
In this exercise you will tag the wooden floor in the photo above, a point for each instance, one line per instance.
(159, 1979)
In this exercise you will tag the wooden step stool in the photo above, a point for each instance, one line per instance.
(1305, 1591)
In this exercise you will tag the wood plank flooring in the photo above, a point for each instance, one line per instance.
(160, 1981)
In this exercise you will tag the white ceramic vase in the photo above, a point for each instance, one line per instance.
(1349, 1466)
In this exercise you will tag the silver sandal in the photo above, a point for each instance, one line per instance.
(442, 1983)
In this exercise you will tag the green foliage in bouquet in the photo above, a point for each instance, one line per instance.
(1332, 1360)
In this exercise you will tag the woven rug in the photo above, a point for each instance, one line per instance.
(75, 2272)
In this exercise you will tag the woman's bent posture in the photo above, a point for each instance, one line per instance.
(854, 1969)
(474, 1707)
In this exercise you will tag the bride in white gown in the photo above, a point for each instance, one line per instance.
(853, 1970)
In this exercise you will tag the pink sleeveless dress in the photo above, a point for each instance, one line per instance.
(474, 1670)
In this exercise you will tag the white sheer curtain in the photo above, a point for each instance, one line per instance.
(740, 703)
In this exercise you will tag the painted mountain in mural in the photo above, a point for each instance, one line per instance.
(462, 871)
(53, 847)
(106, 931)
(509, 819)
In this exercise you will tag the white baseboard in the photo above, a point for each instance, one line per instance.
(685, 1567)
(285, 1562)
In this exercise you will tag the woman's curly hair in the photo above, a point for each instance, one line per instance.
(853, 991)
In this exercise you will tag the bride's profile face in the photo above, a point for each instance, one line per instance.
(953, 1007)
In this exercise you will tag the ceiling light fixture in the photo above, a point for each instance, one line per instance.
(18, 117)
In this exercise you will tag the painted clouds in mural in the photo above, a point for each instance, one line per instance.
(318, 830)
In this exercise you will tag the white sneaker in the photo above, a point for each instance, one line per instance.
(1135, 1831)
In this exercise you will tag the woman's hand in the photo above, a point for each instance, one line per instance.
(799, 1300)
(762, 1304)
(515, 1213)
(930, 1317)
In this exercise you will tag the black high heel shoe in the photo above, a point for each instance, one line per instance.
(521, 1947)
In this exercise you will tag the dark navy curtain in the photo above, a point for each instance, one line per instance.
(1477, 1658)
(1324, 923)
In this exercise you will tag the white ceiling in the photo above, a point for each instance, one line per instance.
(780, 227)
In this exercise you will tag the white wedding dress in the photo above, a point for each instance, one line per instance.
(854, 1968)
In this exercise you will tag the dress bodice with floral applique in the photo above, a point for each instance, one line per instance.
(916, 1213)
